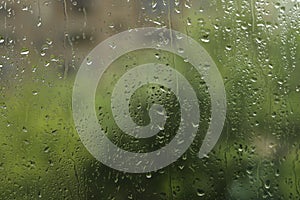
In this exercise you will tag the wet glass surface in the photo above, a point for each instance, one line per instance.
(255, 47)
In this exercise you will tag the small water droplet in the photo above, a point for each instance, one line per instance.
(113, 46)
(24, 51)
(206, 40)
(49, 42)
(39, 24)
(228, 48)
(154, 4)
(47, 63)
(200, 193)
(177, 11)
(157, 56)
(46, 149)
(156, 22)
(277, 173)
(187, 5)
(267, 184)
(148, 175)
(195, 125)
(253, 79)
(89, 61)
(25, 8)
(180, 50)
(189, 21)
(24, 129)
(280, 82)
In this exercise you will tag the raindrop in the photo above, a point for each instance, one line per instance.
(1, 40)
(24, 51)
(228, 48)
(205, 39)
(267, 184)
(24, 129)
(46, 149)
(39, 195)
(253, 79)
(113, 46)
(39, 24)
(277, 173)
(189, 21)
(148, 175)
(49, 42)
(89, 61)
(200, 193)
(34, 93)
(187, 5)
(154, 4)
(157, 56)
(180, 50)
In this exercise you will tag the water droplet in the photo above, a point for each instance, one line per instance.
(253, 79)
(228, 48)
(24, 51)
(206, 40)
(187, 5)
(277, 173)
(39, 24)
(177, 11)
(49, 42)
(156, 22)
(24, 129)
(47, 63)
(157, 56)
(180, 50)
(189, 21)
(200, 193)
(154, 4)
(89, 61)
(113, 46)
(25, 8)
(148, 175)
(267, 184)
(34, 93)
(1, 40)
(46, 149)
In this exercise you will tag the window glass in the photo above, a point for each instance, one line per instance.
(160, 99)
